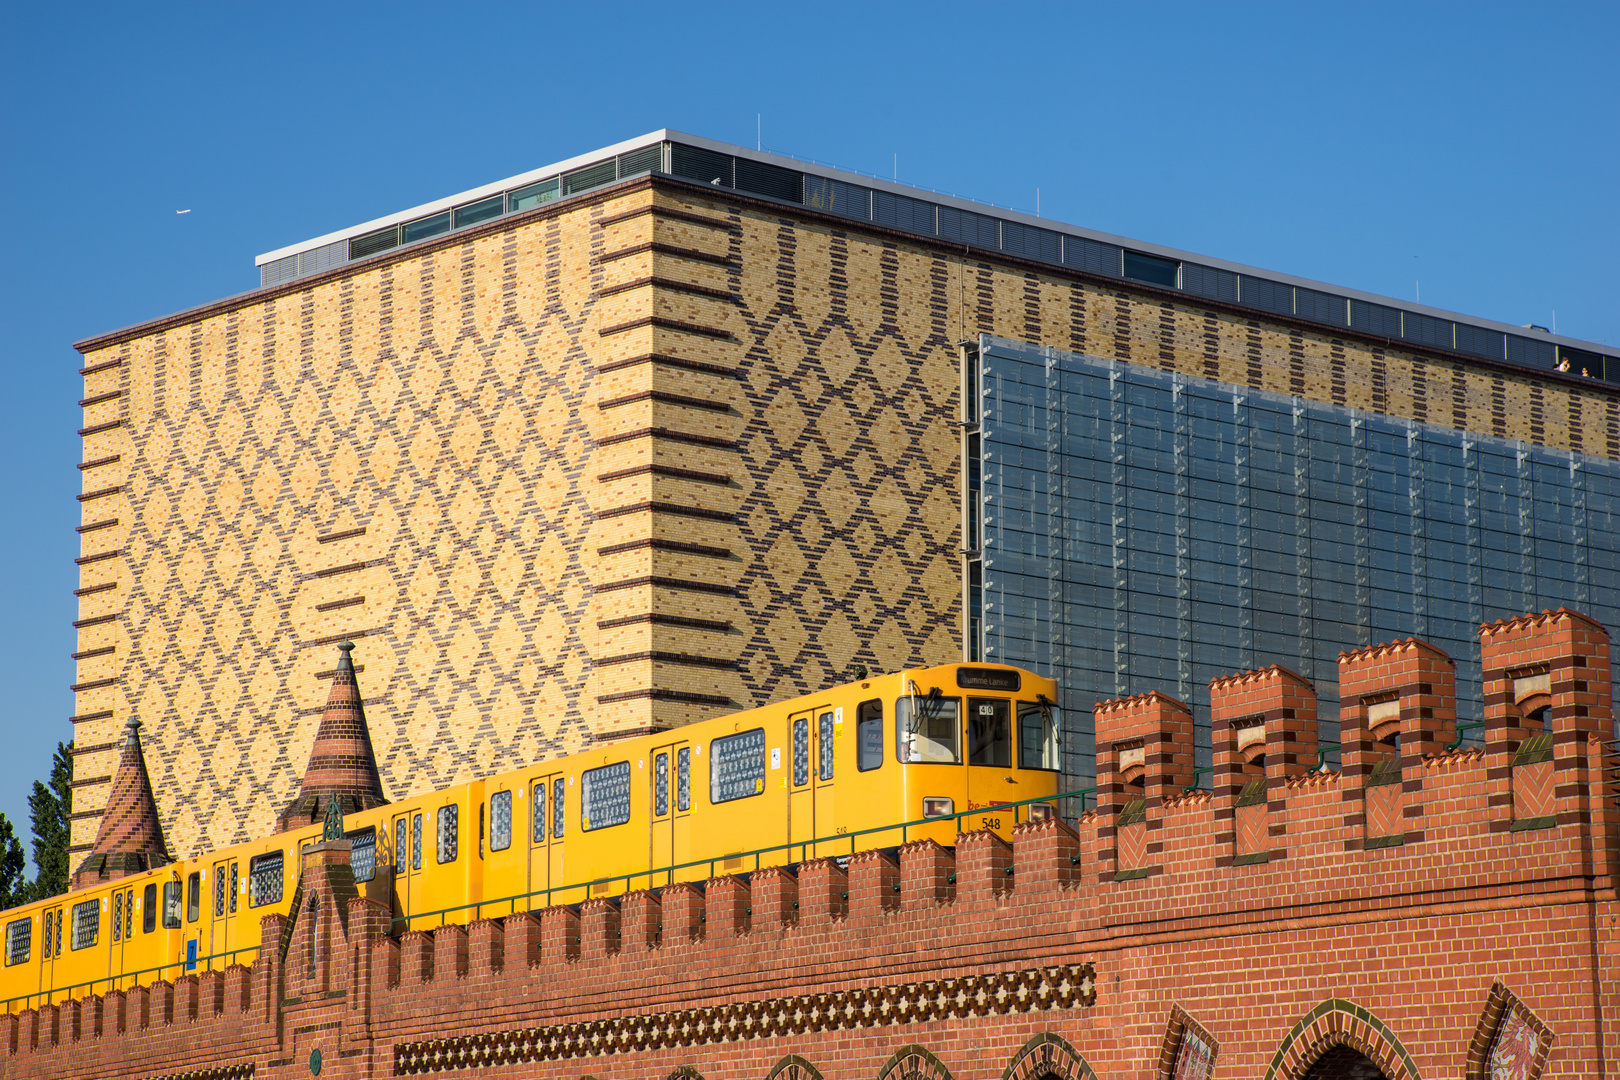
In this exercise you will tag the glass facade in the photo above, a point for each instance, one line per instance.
(1136, 529)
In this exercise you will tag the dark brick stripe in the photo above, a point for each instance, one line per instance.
(666, 213)
(323, 675)
(97, 621)
(106, 365)
(94, 748)
(666, 399)
(670, 361)
(661, 323)
(99, 493)
(664, 695)
(668, 471)
(668, 508)
(667, 583)
(334, 605)
(89, 590)
(656, 544)
(97, 429)
(88, 653)
(692, 254)
(666, 658)
(98, 462)
(85, 560)
(670, 285)
(346, 568)
(335, 638)
(95, 526)
(655, 619)
(96, 684)
(344, 535)
(666, 433)
(83, 718)
(111, 395)
(81, 815)
(91, 781)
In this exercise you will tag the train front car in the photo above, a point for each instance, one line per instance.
(977, 747)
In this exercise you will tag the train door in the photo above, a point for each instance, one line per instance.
(50, 940)
(121, 927)
(990, 765)
(222, 937)
(824, 735)
(548, 819)
(801, 788)
(670, 842)
(407, 828)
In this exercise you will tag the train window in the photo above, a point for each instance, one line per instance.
(660, 785)
(118, 917)
(604, 796)
(1038, 745)
(683, 778)
(801, 752)
(219, 895)
(171, 905)
(86, 923)
(149, 912)
(58, 932)
(928, 730)
(48, 920)
(194, 896)
(868, 735)
(558, 803)
(19, 940)
(500, 821)
(363, 853)
(989, 732)
(236, 884)
(825, 735)
(265, 879)
(402, 846)
(537, 807)
(129, 914)
(737, 766)
(480, 830)
(449, 829)
(416, 842)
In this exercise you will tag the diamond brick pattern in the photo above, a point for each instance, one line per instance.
(129, 838)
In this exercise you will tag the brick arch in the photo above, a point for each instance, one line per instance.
(1335, 1023)
(685, 1072)
(794, 1067)
(912, 1062)
(1048, 1055)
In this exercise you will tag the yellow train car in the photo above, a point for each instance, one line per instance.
(870, 764)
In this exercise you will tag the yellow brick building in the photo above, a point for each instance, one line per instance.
(639, 447)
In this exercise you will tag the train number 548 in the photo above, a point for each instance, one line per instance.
(990, 822)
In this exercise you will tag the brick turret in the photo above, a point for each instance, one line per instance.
(341, 764)
(1264, 734)
(1144, 757)
(130, 838)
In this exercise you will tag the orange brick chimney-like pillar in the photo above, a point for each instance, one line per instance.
(1264, 732)
(1144, 756)
(1397, 704)
(1547, 714)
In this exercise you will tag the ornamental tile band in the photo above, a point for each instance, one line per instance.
(1035, 990)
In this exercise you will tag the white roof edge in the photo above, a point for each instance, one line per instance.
(471, 195)
(893, 187)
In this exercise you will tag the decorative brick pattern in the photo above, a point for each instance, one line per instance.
(1338, 1023)
(341, 764)
(129, 837)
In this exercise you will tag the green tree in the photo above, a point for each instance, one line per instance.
(51, 806)
(15, 888)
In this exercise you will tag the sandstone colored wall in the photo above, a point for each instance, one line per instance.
(624, 462)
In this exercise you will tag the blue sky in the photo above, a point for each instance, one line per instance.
(1472, 147)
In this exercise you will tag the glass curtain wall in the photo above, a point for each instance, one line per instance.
(1145, 530)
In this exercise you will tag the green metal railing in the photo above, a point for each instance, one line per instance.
(731, 862)
(112, 981)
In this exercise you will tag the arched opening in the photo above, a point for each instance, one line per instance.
(1344, 1063)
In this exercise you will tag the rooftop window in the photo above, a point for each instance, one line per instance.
(1152, 270)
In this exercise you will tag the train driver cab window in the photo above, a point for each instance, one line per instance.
(927, 729)
(500, 821)
(868, 735)
(86, 923)
(19, 940)
(449, 841)
(149, 909)
(1038, 745)
(171, 905)
(194, 896)
(990, 732)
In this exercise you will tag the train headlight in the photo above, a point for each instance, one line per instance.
(1041, 811)
(939, 807)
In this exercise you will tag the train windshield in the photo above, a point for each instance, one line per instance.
(990, 732)
(927, 729)
(1039, 741)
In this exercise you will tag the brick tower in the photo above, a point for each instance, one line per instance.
(130, 839)
(341, 764)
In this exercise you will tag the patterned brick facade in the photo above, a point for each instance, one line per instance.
(625, 461)
(1475, 949)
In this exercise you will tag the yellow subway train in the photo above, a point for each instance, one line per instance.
(973, 745)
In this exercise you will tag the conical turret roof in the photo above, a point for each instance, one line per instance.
(130, 837)
(341, 764)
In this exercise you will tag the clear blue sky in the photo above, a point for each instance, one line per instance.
(1472, 146)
